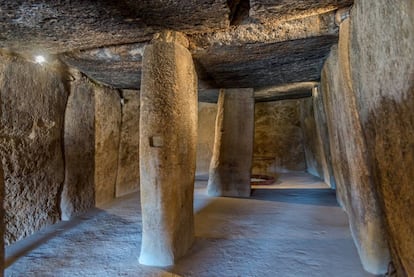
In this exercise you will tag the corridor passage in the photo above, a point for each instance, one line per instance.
(285, 232)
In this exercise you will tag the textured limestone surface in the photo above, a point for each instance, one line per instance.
(121, 65)
(284, 92)
(314, 152)
(381, 57)
(168, 138)
(231, 163)
(258, 55)
(207, 113)
(107, 137)
(278, 138)
(127, 179)
(319, 115)
(235, 43)
(118, 66)
(78, 194)
(292, 232)
(60, 26)
(2, 225)
(266, 10)
(33, 100)
(266, 64)
(355, 187)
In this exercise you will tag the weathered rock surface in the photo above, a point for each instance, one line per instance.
(278, 138)
(60, 26)
(355, 188)
(207, 113)
(107, 137)
(319, 114)
(231, 163)
(33, 100)
(266, 10)
(314, 152)
(168, 138)
(2, 225)
(78, 194)
(117, 66)
(246, 46)
(381, 59)
(266, 64)
(127, 179)
(284, 92)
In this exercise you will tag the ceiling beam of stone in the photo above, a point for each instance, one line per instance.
(257, 55)
(267, 94)
(117, 66)
(234, 43)
(248, 55)
(60, 26)
(271, 10)
(284, 92)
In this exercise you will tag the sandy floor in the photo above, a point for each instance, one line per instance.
(290, 232)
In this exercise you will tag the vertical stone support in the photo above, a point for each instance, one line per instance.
(168, 137)
(127, 179)
(107, 138)
(2, 225)
(233, 145)
(78, 194)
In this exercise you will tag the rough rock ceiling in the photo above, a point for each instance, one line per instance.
(235, 43)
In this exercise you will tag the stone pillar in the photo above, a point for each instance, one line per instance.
(78, 194)
(233, 145)
(168, 132)
(2, 224)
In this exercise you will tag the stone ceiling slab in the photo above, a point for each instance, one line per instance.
(61, 26)
(117, 66)
(266, 64)
(248, 55)
(268, 10)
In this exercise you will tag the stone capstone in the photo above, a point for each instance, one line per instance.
(62, 26)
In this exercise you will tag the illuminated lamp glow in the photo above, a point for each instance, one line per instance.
(40, 59)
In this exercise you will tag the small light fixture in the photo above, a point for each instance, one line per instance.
(40, 59)
(315, 91)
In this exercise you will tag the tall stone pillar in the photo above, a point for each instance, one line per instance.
(168, 130)
(231, 163)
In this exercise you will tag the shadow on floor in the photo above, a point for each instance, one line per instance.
(319, 197)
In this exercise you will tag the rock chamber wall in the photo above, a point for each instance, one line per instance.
(53, 136)
(368, 90)
(278, 139)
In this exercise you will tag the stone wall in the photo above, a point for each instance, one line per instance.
(278, 138)
(207, 113)
(312, 140)
(127, 180)
(381, 59)
(78, 193)
(107, 139)
(59, 143)
(368, 86)
(33, 100)
(315, 133)
(278, 141)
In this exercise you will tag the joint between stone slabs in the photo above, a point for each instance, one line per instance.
(170, 36)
